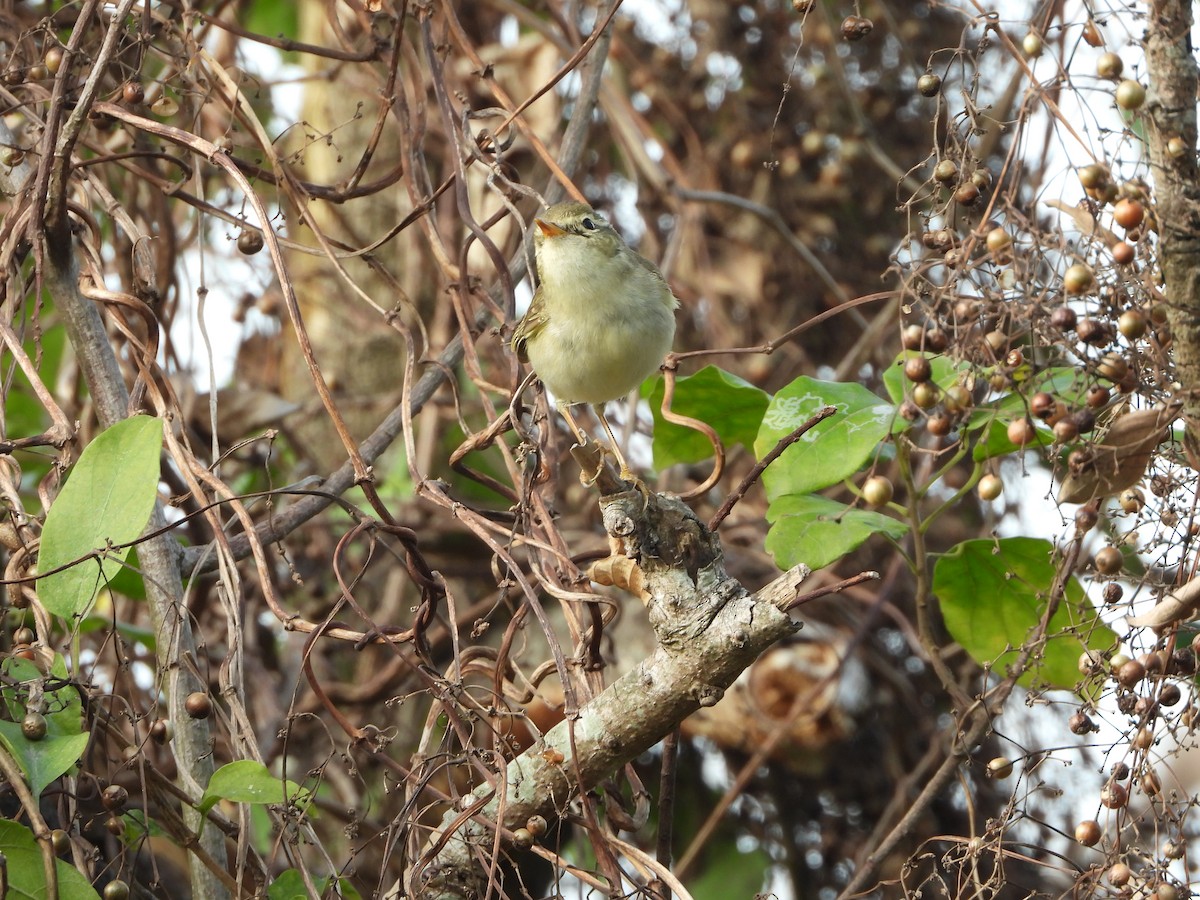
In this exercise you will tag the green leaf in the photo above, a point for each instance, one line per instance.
(290, 886)
(42, 761)
(945, 373)
(733, 407)
(45, 760)
(247, 781)
(834, 449)
(817, 531)
(25, 873)
(728, 872)
(106, 501)
(993, 594)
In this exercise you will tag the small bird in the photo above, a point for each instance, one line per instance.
(602, 318)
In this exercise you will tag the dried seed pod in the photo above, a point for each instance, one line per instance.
(622, 572)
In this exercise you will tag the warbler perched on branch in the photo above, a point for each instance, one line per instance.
(602, 319)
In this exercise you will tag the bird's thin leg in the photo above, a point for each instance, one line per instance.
(565, 409)
(626, 472)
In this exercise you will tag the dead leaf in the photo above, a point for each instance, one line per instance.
(1086, 222)
(1179, 605)
(1120, 459)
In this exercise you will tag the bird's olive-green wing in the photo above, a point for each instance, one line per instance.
(531, 324)
(668, 294)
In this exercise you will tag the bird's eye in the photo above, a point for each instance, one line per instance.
(588, 223)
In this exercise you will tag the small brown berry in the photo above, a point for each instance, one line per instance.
(1088, 833)
(1078, 279)
(1131, 673)
(913, 337)
(1098, 396)
(198, 705)
(1081, 723)
(1129, 213)
(161, 731)
(990, 487)
(1063, 318)
(1085, 420)
(33, 726)
(1065, 430)
(939, 425)
(1113, 593)
(855, 28)
(999, 767)
(1110, 66)
(936, 340)
(1114, 795)
(1132, 500)
(1130, 94)
(114, 797)
(1109, 561)
(928, 85)
(967, 194)
(1091, 331)
(1122, 253)
(1093, 176)
(1112, 366)
(249, 242)
(925, 395)
(998, 240)
(1042, 405)
(918, 369)
(1021, 432)
(946, 171)
(877, 491)
(52, 59)
(536, 825)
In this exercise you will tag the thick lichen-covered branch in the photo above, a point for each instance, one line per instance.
(709, 629)
(1171, 106)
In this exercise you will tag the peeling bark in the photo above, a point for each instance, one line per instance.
(1171, 116)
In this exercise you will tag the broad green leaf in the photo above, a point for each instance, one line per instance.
(834, 449)
(733, 407)
(817, 531)
(289, 885)
(728, 872)
(25, 875)
(64, 709)
(247, 781)
(107, 500)
(993, 594)
(945, 373)
(45, 760)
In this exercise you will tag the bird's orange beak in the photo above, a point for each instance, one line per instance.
(549, 229)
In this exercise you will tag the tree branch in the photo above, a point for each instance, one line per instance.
(709, 629)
